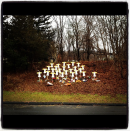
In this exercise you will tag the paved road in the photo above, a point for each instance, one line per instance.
(23, 109)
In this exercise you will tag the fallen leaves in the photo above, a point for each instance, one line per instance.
(110, 82)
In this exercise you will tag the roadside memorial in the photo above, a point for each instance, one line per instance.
(66, 73)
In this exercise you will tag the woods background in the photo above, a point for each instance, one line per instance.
(29, 41)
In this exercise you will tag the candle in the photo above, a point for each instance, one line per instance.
(51, 64)
(78, 64)
(72, 63)
(63, 63)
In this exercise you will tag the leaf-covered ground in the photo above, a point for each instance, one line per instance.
(110, 82)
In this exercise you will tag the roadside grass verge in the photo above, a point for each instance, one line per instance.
(51, 97)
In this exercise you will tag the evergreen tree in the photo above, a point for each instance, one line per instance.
(24, 40)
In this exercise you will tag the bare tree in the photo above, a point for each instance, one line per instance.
(60, 24)
(75, 25)
(113, 32)
(88, 37)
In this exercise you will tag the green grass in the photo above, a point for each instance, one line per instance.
(49, 97)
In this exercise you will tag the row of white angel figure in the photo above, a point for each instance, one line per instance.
(56, 69)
